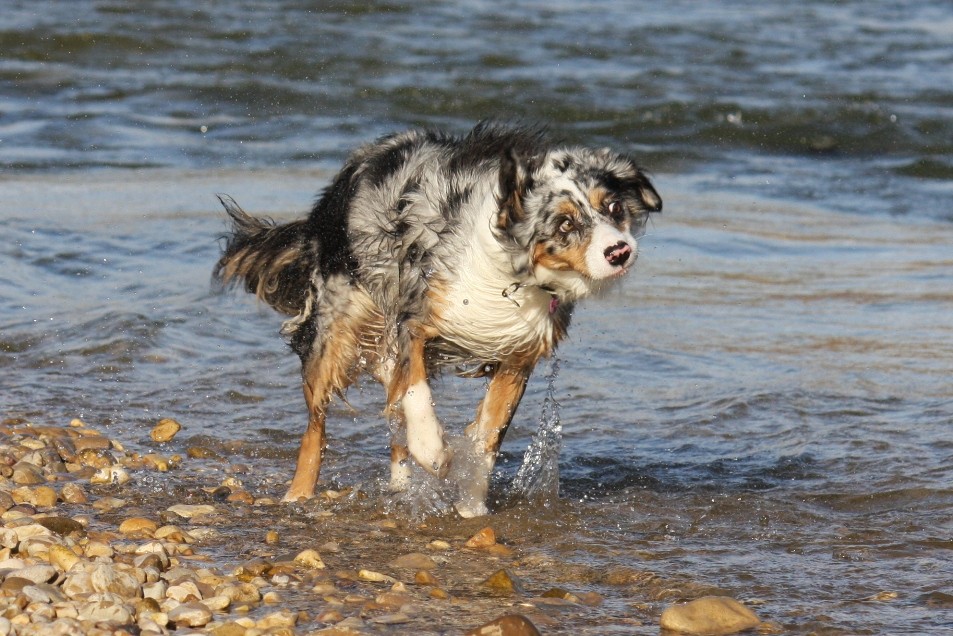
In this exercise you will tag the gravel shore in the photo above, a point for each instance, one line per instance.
(90, 545)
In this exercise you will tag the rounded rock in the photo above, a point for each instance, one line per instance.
(710, 615)
(507, 625)
(138, 525)
(190, 615)
(309, 559)
(62, 557)
(165, 430)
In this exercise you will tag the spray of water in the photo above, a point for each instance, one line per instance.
(538, 477)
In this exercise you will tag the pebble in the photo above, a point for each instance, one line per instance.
(190, 511)
(139, 526)
(482, 539)
(415, 561)
(503, 581)
(309, 559)
(165, 430)
(709, 615)
(190, 615)
(507, 625)
(375, 577)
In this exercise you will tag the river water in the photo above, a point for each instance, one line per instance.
(763, 408)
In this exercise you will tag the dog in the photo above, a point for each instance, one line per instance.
(427, 251)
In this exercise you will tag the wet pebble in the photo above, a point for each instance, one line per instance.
(710, 615)
(508, 625)
(165, 430)
(502, 581)
(414, 560)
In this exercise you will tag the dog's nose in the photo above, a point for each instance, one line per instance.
(618, 254)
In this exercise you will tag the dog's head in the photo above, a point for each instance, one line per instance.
(576, 214)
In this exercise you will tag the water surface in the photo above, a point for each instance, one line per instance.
(763, 408)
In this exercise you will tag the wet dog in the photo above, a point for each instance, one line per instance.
(427, 251)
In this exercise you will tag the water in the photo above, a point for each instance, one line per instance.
(764, 408)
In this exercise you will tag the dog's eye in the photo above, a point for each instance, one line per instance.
(566, 226)
(616, 210)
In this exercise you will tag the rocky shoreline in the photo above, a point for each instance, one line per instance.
(87, 548)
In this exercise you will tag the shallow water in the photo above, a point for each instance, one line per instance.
(763, 407)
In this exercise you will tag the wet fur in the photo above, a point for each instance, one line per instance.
(427, 251)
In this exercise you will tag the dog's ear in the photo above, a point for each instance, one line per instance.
(516, 178)
(640, 187)
(625, 175)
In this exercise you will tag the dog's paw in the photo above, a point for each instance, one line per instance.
(294, 497)
(435, 460)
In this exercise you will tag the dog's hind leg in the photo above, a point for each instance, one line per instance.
(329, 369)
(486, 433)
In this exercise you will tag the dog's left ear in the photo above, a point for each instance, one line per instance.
(516, 178)
(640, 187)
(629, 178)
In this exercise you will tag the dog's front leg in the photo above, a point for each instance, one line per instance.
(486, 433)
(425, 436)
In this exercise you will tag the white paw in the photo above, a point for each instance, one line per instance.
(424, 432)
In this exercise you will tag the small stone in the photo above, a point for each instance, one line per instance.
(284, 618)
(414, 560)
(375, 577)
(25, 474)
(330, 616)
(62, 557)
(62, 526)
(482, 539)
(190, 511)
(240, 593)
(165, 430)
(217, 603)
(439, 593)
(508, 625)
(110, 475)
(391, 619)
(503, 581)
(37, 573)
(190, 615)
(272, 538)
(438, 544)
(423, 577)
(73, 493)
(309, 559)
(106, 612)
(138, 526)
(710, 615)
(271, 598)
(231, 628)
(156, 462)
(39, 496)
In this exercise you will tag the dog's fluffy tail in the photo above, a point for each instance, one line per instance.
(274, 262)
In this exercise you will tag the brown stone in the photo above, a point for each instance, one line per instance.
(73, 493)
(503, 581)
(710, 615)
(482, 539)
(61, 525)
(165, 430)
(415, 561)
(139, 526)
(508, 625)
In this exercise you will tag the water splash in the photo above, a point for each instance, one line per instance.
(538, 477)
